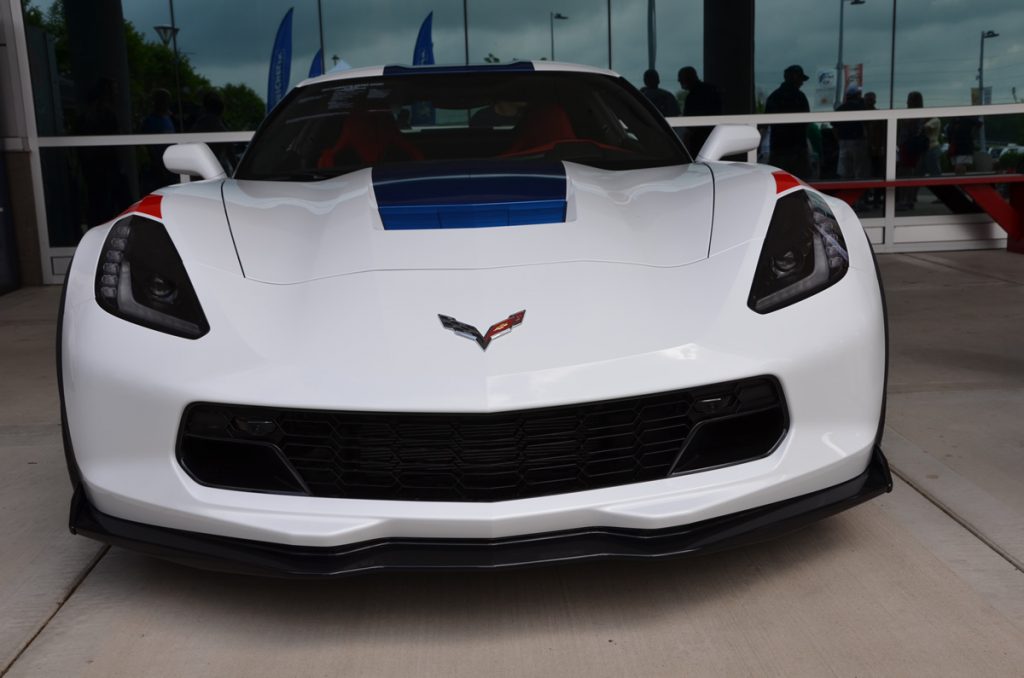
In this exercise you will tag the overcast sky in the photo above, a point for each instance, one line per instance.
(937, 41)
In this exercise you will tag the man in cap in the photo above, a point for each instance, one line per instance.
(788, 143)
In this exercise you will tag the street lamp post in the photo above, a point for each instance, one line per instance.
(839, 59)
(981, 84)
(320, 24)
(170, 34)
(652, 35)
(892, 56)
(609, 35)
(560, 17)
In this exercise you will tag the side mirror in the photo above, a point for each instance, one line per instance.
(194, 159)
(728, 140)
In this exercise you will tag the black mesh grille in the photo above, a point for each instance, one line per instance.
(488, 457)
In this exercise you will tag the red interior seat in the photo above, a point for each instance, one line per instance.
(542, 125)
(373, 136)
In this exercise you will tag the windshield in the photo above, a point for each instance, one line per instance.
(331, 128)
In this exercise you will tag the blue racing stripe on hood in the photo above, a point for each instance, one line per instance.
(473, 194)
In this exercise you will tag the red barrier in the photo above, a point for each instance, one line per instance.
(1009, 214)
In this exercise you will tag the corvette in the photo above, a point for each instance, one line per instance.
(469, 317)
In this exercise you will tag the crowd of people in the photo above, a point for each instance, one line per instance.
(854, 149)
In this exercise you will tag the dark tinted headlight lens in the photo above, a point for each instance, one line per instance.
(803, 254)
(141, 279)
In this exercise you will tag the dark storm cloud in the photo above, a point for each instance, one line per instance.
(937, 40)
(231, 41)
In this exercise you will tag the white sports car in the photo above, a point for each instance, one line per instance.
(469, 317)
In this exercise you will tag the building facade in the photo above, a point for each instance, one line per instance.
(93, 92)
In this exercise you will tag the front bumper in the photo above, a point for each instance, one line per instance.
(126, 388)
(592, 543)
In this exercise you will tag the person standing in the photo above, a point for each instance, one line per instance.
(159, 121)
(788, 144)
(911, 146)
(854, 157)
(702, 98)
(874, 132)
(211, 119)
(933, 156)
(961, 143)
(662, 99)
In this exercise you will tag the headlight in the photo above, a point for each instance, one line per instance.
(804, 253)
(141, 279)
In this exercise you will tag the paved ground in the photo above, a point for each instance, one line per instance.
(921, 582)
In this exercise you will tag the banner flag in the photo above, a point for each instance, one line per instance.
(824, 89)
(280, 62)
(423, 53)
(317, 67)
(853, 75)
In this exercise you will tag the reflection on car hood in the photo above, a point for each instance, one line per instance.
(294, 232)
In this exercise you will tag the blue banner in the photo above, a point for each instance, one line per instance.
(423, 53)
(317, 67)
(280, 62)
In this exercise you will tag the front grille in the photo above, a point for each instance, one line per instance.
(482, 457)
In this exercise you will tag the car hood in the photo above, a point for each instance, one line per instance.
(291, 232)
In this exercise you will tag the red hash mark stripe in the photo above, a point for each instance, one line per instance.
(785, 181)
(150, 206)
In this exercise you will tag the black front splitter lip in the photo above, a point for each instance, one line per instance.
(592, 543)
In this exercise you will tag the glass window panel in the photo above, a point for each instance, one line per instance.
(96, 72)
(809, 37)
(87, 186)
(102, 68)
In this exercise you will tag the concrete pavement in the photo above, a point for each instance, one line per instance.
(914, 583)
(39, 565)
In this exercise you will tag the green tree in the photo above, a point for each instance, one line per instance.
(243, 108)
(151, 66)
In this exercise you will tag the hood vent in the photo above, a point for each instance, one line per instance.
(469, 194)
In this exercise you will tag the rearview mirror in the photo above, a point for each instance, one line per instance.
(728, 140)
(193, 159)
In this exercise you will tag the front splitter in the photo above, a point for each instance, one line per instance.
(592, 543)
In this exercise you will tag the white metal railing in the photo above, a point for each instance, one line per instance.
(144, 139)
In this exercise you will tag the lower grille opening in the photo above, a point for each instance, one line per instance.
(238, 465)
(731, 440)
(481, 457)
